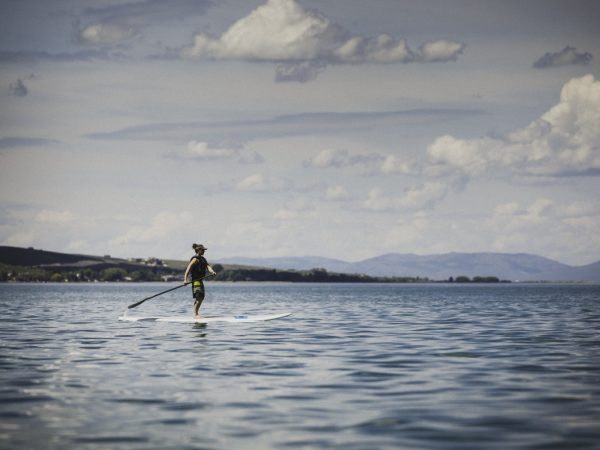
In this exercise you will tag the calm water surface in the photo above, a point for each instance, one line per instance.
(354, 367)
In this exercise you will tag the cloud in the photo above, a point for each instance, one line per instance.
(305, 41)
(546, 208)
(14, 142)
(116, 234)
(413, 230)
(8, 219)
(21, 238)
(105, 34)
(280, 30)
(162, 226)
(544, 226)
(18, 89)
(239, 132)
(380, 50)
(25, 225)
(394, 165)
(564, 141)
(337, 194)
(245, 233)
(202, 151)
(55, 217)
(333, 158)
(440, 51)
(386, 50)
(295, 209)
(298, 72)
(35, 56)
(415, 198)
(567, 56)
(259, 183)
(115, 25)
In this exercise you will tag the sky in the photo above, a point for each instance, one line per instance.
(335, 128)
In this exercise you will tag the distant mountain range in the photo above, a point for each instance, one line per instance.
(506, 266)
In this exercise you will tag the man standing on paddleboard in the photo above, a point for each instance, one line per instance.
(198, 267)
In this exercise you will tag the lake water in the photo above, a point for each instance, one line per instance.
(355, 367)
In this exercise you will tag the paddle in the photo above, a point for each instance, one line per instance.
(164, 292)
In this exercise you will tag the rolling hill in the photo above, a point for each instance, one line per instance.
(508, 266)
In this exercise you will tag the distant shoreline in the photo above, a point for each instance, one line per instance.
(33, 265)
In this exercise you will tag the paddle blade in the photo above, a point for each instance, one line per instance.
(136, 304)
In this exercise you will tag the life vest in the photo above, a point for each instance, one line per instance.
(199, 269)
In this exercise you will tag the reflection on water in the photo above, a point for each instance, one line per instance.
(355, 367)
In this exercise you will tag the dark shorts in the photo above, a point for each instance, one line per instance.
(198, 290)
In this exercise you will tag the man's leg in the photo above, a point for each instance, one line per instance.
(199, 296)
(197, 304)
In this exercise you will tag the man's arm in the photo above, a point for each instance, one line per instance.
(210, 269)
(189, 267)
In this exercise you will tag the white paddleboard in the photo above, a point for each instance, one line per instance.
(189, 319)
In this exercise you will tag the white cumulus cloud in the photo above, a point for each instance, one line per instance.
(395, 165)
(202, 151)
(258, 182)
(415, 198)
(336, 158)
(305, 41)
(563, 141)
(337, 193)
(280, 30)
(106, 34)
(380, 50)
(440, 51)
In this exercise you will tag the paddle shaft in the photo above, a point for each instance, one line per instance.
(163, 292)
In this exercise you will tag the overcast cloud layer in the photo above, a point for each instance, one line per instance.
(301, 127)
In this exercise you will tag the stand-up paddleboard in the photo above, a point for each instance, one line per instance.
(188, 319)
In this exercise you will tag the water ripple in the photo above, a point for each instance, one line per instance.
(355, 367)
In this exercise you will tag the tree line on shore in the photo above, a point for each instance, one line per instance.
(232, 274)
(37, 274)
